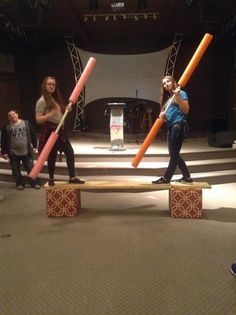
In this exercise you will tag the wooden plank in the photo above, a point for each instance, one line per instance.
(126, 186)
(111, 186)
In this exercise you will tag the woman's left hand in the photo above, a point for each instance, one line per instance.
(69, 107)
(162, 116)
(177, 90)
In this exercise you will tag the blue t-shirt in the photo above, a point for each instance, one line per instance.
(173, 113)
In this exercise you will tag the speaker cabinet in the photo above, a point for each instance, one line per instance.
(223, 139)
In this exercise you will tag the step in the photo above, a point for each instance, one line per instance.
(152, 157)
(144, 168)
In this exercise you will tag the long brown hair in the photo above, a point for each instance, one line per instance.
(52, 99)
(164, 95)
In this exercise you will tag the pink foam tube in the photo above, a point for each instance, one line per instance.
(43, 155)
(54, 135)
(84, 76)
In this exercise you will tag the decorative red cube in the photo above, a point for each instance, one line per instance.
(185, 203)
(62, 202)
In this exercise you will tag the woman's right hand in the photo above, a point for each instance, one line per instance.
(162, 116)
(41, 117)
(55, 112)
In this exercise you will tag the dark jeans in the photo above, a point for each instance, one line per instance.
(15, 161)
(175, 138)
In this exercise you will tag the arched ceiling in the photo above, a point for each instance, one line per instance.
(128, 26)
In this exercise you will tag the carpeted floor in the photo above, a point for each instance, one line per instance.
(123, 254)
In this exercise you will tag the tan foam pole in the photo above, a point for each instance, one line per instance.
(182, 82)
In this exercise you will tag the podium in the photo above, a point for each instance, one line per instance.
(117, 126)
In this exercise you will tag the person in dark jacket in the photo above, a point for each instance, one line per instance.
(18, 143)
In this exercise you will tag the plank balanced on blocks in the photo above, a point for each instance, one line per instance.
(64, 199)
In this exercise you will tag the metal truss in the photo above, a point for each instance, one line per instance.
(13, 29)
(228, 28)
(170, 65)
(78, 69)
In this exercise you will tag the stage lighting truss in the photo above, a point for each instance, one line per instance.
(136, 16)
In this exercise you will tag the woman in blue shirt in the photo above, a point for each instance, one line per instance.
(174, 108)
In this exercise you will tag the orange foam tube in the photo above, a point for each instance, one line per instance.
(195, 59)
(83, 78)
(43, 155)
(151, 135)
(182, 82)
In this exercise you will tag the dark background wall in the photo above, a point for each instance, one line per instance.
(209, 88)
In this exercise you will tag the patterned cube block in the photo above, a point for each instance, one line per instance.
(62, 202)
(185, 203)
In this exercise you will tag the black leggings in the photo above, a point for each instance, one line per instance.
(63, 145)
(175, 138)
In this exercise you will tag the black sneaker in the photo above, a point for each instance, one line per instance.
(233, 269)
(185, 180)
(36, 186)
(27, 185)
(161, 180)
(51, 182)
(76, 181)
(19, 187)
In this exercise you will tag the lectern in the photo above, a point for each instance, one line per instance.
(117, 126)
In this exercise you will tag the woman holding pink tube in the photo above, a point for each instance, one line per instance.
(49, 111)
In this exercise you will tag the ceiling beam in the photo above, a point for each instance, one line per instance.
(76, 18)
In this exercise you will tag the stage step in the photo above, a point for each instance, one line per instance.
(144, 169)
(95, 159)
(153, 157)
(217, 168)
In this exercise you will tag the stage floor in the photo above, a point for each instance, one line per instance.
(99, 143)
